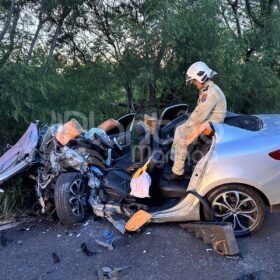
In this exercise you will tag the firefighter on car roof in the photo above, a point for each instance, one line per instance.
(211, 107)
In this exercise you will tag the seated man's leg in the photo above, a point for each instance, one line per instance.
(181, 149)
(184, 137)
(178, 135)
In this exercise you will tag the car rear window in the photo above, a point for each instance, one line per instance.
(247, 122)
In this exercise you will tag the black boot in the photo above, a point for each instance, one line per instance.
(174, 177)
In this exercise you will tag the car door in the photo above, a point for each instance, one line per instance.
(169, 119)
(121, 135)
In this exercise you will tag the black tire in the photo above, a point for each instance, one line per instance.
(240, 205)
(70, 198)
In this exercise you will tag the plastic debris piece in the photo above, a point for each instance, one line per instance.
(25, 228)
(137, 220)
(68, 131)
(1, 191)
(106, 269)
(58, 236)
(109, 124)
(113, 274)
(107, 234)
(109, 246)
(90, 134)
(56, 259)
(118, 224)
(78, 235)
(96, 170)
(86, 251)
(119, 269)
(235, 257)
(50, 271)
(220, 235)
(148, 233)
(144, 252)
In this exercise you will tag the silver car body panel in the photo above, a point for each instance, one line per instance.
(189, 208)
(237, 156)
(19, 156)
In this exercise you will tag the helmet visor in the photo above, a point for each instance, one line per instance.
(189, 80)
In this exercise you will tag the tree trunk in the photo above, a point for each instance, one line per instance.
(12, 37)
(129, 94)
(238, 26)
(152, 95)
(8, 20)
(65, 13)
(234, 7)
(33, 42)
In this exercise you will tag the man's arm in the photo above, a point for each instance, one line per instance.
(202, 110)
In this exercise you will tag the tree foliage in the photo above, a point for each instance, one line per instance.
(59, 57)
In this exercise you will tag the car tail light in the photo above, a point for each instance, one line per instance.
(275, 154)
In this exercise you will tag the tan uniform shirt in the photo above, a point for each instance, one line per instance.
(211, 106)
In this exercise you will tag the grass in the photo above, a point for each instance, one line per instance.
(17, 196)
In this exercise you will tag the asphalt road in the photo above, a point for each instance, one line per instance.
(160, 252)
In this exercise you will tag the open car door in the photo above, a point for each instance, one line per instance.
(19, 156)
(169, 119)
(121, 135)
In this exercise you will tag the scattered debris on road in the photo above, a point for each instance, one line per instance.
(56, 259)
(109, 246)
(25, 228)
(4, 225)
(107, 234)
(220, 235)
(86, 251)
(258, 275)
(112, 274)
(119, 224)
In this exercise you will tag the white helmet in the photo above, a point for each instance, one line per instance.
(199, 71)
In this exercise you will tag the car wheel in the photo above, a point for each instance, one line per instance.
(240, 205)
(70, 198)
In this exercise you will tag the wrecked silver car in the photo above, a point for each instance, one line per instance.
(59, 157)
(222, 180)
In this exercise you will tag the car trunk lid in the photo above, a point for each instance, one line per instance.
(271, 124)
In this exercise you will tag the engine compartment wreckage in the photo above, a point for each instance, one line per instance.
(75, 168)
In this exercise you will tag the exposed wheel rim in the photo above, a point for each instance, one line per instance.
(238, 208)
(77, 197)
